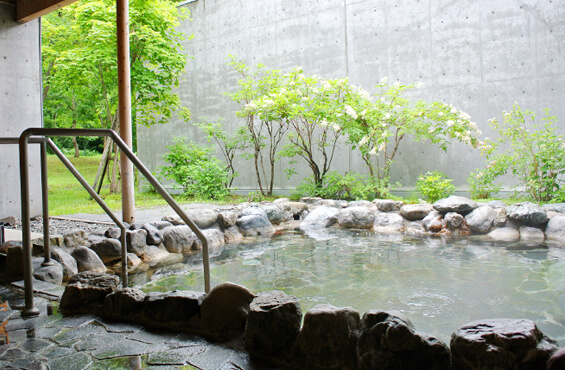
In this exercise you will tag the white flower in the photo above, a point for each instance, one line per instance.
(364, 141)
(440, 114)
(362, 114)
(382, 147)
(250, 106)
(396, 84)
(464, 115)
(326, 85)
(387, 115)
(473, 125)
(336, 127)
(350, 112)
(419, 85)
(268, 102)
(324, 123)
(373, 151)
(450, 123)
(384, 80)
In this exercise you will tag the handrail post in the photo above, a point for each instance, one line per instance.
(29, 309)
(45, 205)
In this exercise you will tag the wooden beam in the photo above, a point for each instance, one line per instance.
(27, 10)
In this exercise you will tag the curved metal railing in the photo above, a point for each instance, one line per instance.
(41, 135)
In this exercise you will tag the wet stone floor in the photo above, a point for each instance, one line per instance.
(88, 342)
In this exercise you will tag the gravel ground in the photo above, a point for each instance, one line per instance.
(61, 226)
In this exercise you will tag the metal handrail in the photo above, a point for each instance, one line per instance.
(27, 137)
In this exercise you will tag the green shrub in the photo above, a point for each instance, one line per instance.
(350, 186)
(533, 154)
(434, 186)
(195, 171)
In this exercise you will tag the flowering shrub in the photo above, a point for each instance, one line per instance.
(434, 186)
(376, 125)
(531, 153)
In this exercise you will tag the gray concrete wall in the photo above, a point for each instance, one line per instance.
(480, 55)
(20, 107)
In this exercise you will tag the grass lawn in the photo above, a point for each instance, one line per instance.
(67, 196)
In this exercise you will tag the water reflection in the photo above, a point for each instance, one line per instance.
(438, 283)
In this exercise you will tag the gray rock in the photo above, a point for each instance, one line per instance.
(224, 311)
(232, 235)
(527, 213)
(136, 241)
(86, 291)
(504, 234)
(528, 233)
(279, 201)
(253, 221)
(555, 229)
(274, 213)
(216, 240)
(388, 205)
(14, 261)
(154, 235)
(153, 255)
(203, 218)
(415, 212)
(496, 204)
(298, 209)
(113, 232)
(359, 217)
(273, 323)
(388, 223)
(178, 239)
(389, 341)
(287, 211)
(433, 222)
(108, 249)
(453, 219)
(455, 203)
(175, 220)
(124, 304)
(555, 207)
(359, 203)
(88, 260)
(480, 219)
(227, 219)
(328, 338)
(69, 264)
(52, 274)
(320, 217)
(500, 219)
(160, 225)
(75, 239)
(178, 306)
(500, 344)
(557, 360)
(415, 228)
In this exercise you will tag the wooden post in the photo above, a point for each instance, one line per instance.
(124, 90)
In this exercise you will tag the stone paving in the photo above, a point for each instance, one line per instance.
(52, 341)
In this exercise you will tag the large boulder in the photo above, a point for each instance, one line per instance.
(75, 238)
(504, 234)
(320, 217)
(453, 219)
(360, 217)
(253, 221)
(179, 239)
(273, 323)
(107, 249)
(124, 304)
(232, 235)
(14, 261)
(216, 240)
(52, 273)
(86, 291)
(68, 262)
(203, 218)
(274, 213)
(388, 223)
(557, 360)
(527, 213)
(297, 209)
(415, 212)
(179, 307)
(501, 216)
(434, 222)
(224, 311)
(227, 219)
(328, 338)
(554, 207)
(154, 235)
(531, 234)
(500, 344)
(480, 219)
(455, 203)
(388, 205)
(555, 229)
(389, 341)
(88, 260)
(136, 241)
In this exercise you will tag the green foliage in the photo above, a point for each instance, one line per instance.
(376, 126)
(194, 171)
(350, 186)
(434, 186)
(80, 67)
(533, 154)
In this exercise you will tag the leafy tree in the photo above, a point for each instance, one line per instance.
(80, 67)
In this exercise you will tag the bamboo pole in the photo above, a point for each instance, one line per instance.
(124, 92)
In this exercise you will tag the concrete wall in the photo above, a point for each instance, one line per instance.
(20, 107)
(480, 55)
